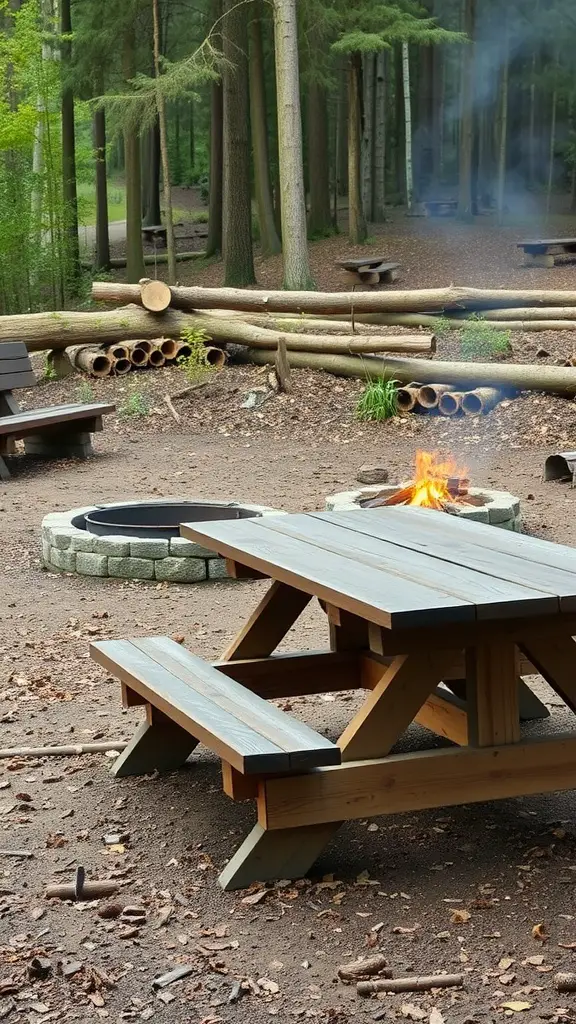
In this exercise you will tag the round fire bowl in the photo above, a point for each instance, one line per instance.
(139, 540)
(499, 508)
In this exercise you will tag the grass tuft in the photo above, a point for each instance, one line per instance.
(379, 401)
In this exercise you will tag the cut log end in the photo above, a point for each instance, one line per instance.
(155, 296)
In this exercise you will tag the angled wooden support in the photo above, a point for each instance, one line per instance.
(269, 623)
(159, 744)
(531, 707)
(555, 659)
(283, 853)
(445, 715)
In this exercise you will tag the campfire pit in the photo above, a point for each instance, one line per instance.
(437, 485)
(139, 540)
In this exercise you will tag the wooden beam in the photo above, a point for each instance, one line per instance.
(295, 675)
(415, 782)
(347, 632)
(555, 658)
(462, 635)
(159, 744)
(445, 717)
(242, 572)
(269, 623)
(266, 856)
(236, 785)
(392, 705)
(492, 694)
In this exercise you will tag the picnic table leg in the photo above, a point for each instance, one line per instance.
(492, 688)
(159, 744)
(266, 855)
(555, 658)
(531, 707)
(268, 624)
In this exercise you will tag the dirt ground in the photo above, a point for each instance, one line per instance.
(483, 889)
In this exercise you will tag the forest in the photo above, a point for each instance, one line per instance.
(293, 120)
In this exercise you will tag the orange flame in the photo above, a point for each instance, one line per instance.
(431, 478)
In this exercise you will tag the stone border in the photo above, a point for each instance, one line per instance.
(67, 548)
(501, 509)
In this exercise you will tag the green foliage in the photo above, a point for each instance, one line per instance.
(370, 27)
(48, 371)
(379, 401)
(479, 340)
(85, 392)
(195, 365)
(136, 404)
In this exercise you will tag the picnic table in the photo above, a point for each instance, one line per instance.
(369, 270)
(420, 605)
(541, 252)
(440, 207)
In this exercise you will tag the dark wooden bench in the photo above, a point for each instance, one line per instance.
(541, 252)
(154, 233)
(440, 207)
(370, 270)
(59, 431)
(189, 701)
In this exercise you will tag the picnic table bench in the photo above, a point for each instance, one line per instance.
(541, 252)
(370, 270)
(58, 431)
(440, 207)
(420, 606)
(154, 233)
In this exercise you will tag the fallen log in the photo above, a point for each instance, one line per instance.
(556, 380)
(215, 357)
(41, 331)
(454, 321)
(531, 313)
(418, 300)
(118, 262)
(450, 403)
(422, 984)
(121, 366)
(407, 398)
(94, 361)
(137, 355)
(301, 324)
(481, 400)
(430, 395)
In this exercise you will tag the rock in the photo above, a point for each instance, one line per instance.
(40, 967)
(372, 475)
(71, 967)
(110, 911)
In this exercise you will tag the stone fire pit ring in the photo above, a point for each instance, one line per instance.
(500, 508)
(68, 546)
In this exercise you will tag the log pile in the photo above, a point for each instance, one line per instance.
(443, 400)
(119, 359)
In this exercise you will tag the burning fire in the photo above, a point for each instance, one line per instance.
(434, 482)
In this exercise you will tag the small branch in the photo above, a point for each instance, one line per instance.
(78, 748)
(422, 984)
(187, 391)
(175, 415)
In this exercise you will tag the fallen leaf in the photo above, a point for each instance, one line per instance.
(535, 960)
(505, 963)
(268, 986)
(506, 979)
(516, 1006)
(401, 930)
(539, 932)
(254, 898)
(460, 916)
(412, 1012)
(436, 1017)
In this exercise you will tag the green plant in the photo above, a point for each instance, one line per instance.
(136, 404)
(195, 365)
(479, 339)
(379, 401)
(48, 371)
(85, 391)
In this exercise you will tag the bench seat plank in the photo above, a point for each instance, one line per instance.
(51, 417)
(242, 728)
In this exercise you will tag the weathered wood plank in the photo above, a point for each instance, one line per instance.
(13, 350)
(21, 379)
(555, 659)
(492, 694)
(444, 717)
(295, 675)
(415, 782)
(39, 419)
(285, 853)
(369, 593)
(159, 744)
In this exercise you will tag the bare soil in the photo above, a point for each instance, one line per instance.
(484, 889)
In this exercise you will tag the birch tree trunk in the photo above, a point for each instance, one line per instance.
(379, 177)
(161, 107)
(356, 221)
(297, 273)
(269, 240)
(237, 205)
(408, 126)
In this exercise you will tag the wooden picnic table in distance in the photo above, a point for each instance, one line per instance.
(541, 252)
(369, 270)
(414, 599)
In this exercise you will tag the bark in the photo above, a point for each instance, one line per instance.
(407, 126)
(367, 160)
(357, 230)
(557, 380)
(102, 238)
(191, 139)
(237, 211)
(503, 140)
(341, 158)
(465, 197)
(319, 219)
(161, 107)
(269, 240)
(134, 251)
(437, 123)
(553, 118)
(420, 300)
(151, 182)
(214, 240)
(41, 331)
(379, 176)
(297, 273)
(69, 152)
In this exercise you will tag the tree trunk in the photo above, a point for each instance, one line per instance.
(191, 141)
(550, 183)
(503, 140)
(293, 197)
(214, 240)
(102, 237)
(341, 157)
(69, 153)
(161, 107)
(465, 197)
(407, 126)
(367, 158)
(319, 219)
(379, 178)
(357, 230)
(269, 240)
(151, 183)
(237, 206)
(132, 170)
(437, 104)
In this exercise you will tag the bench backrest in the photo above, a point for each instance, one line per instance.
(15, 366)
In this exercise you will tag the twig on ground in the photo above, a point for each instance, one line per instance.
(77, 748)
(422, 984)
(175, 415)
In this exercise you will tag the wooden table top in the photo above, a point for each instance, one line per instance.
(402, 567)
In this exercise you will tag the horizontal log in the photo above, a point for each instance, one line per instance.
(560, 380)
(418, 300)
(454, 321)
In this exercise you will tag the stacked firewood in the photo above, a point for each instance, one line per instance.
(141, 354)
(443, 400)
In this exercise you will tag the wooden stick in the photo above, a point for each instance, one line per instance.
(363, 968)
(16, 853)
(188, 391)
(282, 367)
(175, 415)
(421, 984)
(88, 891)
(78, 748)
(565, 982)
